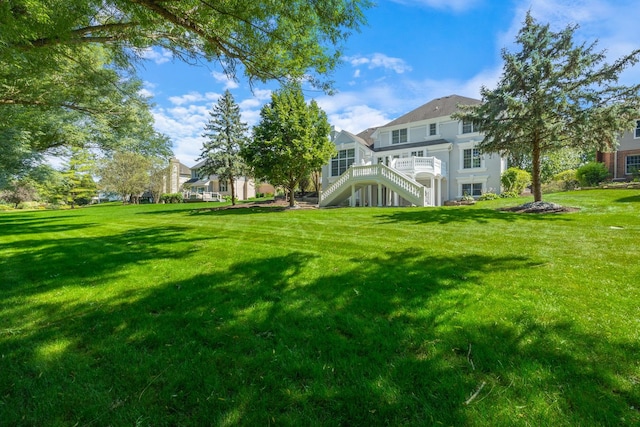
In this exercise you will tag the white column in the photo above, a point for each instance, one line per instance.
(432, 195)
(440, 191)
(395, 199)
(369, 194)
(379, 195)
(353, 195)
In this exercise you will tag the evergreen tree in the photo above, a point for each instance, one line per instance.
(226, 135)
(291, 140)
(78, 183)
(552, 95)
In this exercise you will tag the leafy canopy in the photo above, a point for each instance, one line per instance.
(290, 141)
(554, 94)
(126, 174)
(226, 134)
(67, 67)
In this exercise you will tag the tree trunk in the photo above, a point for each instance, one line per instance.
(292, 196)
(233, 191)
(535, 171)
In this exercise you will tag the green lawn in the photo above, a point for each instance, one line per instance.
(178, 315)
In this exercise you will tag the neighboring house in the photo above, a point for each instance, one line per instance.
(625, 161)
(422, 158)
(178, 175)
(209, 187)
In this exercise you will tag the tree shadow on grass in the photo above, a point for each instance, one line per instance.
(630, 199)
(449, 215)
(21, 225)
(367, 343)
(39, 265)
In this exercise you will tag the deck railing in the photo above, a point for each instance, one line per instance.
(414, 165)
(413, 190)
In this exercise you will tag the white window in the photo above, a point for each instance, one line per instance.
(433, 130)
(342, 161)
(419, 153)
(399, 136)
(471, 158)
(637, 134)
(469, 127)
(632, 164)
(474, 189)
(223, 186)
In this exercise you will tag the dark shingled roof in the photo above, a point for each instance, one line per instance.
(439, 107)
(365, 135)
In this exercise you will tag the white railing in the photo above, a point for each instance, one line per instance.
(413, 165)
(411, 190)
(206, 196)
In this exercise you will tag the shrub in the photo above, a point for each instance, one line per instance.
(515, 180)
(489, 195)
(171, 198)
(592, 174)
(509, 194)
(567, 180)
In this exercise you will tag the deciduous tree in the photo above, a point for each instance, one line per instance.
(290, 141)
(226, 134)
(126, 174)
(553, 94)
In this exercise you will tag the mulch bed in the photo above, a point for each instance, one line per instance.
(540, 208)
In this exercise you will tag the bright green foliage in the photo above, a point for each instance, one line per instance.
(78, 187)
(291, 140)
(49, 183)
(126, 174)
(66, 67)
(171, 198)
(567, 179)
(554, 94)
(275, 39)
(226, 134)
(515, 180)
(592, 174)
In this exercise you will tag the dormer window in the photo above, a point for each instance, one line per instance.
(399, 136)
(469, 127)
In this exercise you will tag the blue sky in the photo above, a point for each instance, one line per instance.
(411, 52)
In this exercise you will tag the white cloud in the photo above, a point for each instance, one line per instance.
(223, 78)
(379, 60)
(193, 97)
(157, 55)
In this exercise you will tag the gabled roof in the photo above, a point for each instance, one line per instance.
(198, 165)
(365, 135)
(439, 107)
(356, 137)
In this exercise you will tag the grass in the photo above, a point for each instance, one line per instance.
(177, 315)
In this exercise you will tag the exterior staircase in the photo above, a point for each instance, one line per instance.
(357, 177)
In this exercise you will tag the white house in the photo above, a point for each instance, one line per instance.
(422, 158)
(210, 187)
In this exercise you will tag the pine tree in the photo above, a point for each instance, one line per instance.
(554, 94)
(226, 133)
(78, 183)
